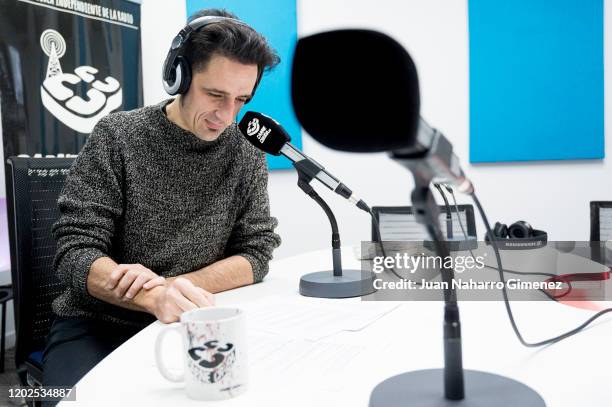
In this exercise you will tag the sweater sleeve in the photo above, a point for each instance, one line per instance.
(89, 205)
(253, 234)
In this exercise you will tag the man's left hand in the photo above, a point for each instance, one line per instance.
(126, 280)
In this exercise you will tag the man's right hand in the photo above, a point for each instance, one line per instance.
(177, 296)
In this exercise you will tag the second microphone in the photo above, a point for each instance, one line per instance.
(268, 135)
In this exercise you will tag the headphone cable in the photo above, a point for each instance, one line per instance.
(523, 273)
(505, 293)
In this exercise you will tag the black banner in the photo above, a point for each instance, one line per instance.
(64, 64)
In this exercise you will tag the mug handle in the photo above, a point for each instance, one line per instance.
(172, 376)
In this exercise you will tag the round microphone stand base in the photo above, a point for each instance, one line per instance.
(423, 388)
(323, 284)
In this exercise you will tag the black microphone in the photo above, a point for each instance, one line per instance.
(268, 135)
(358, 91)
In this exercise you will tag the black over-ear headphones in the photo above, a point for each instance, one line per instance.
(176, 74)
(519, 236)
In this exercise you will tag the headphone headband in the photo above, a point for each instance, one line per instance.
(176, 71)
(200, 22)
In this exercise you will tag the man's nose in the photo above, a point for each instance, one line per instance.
(225, 111)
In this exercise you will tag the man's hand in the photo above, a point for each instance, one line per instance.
(126, 280)
(177, 296)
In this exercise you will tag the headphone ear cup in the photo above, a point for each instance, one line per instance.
(185, 74)
(500, 230)
(520, 230)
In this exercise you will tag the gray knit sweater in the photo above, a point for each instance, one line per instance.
(145, 191)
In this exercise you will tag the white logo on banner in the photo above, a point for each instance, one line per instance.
(72, 110)
(253, 127)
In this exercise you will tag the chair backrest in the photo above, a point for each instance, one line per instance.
(398, 223)
(601, 221)
(601, 231)
(32, 188)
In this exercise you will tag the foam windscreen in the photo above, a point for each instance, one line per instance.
(356, 90)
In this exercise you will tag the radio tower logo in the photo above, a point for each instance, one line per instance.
(75, 112)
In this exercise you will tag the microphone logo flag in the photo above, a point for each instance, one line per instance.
(253, 127)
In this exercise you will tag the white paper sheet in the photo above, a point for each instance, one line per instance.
(293, 361)
(313, 319)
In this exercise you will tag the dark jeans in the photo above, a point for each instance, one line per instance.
(76, 345)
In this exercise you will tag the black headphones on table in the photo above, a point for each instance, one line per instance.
(518, 236)
(176, 73)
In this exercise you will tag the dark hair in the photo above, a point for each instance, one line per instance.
(226, 38)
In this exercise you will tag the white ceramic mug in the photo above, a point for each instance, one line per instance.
(214, 352)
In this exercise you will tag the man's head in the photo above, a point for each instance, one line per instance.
(226, 60)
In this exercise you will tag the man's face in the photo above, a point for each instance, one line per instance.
(216, 95)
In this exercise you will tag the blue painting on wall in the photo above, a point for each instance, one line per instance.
(277, 21)
(536, 80)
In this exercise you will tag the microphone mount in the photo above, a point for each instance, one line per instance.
(338, 283)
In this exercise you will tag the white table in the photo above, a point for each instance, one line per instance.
(574, 372)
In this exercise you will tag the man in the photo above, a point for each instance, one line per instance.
(164, 206)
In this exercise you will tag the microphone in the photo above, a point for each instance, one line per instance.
(268, 135)
(371, 79)
(357, 90)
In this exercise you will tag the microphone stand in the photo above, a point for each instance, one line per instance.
(420, 387)
(336, 283)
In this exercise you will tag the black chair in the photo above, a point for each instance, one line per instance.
(601, 231)
(32, 187)
(6, 294)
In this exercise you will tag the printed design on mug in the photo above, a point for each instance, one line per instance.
(60, 100)
(210, 362)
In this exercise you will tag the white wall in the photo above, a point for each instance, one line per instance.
(550, 195)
